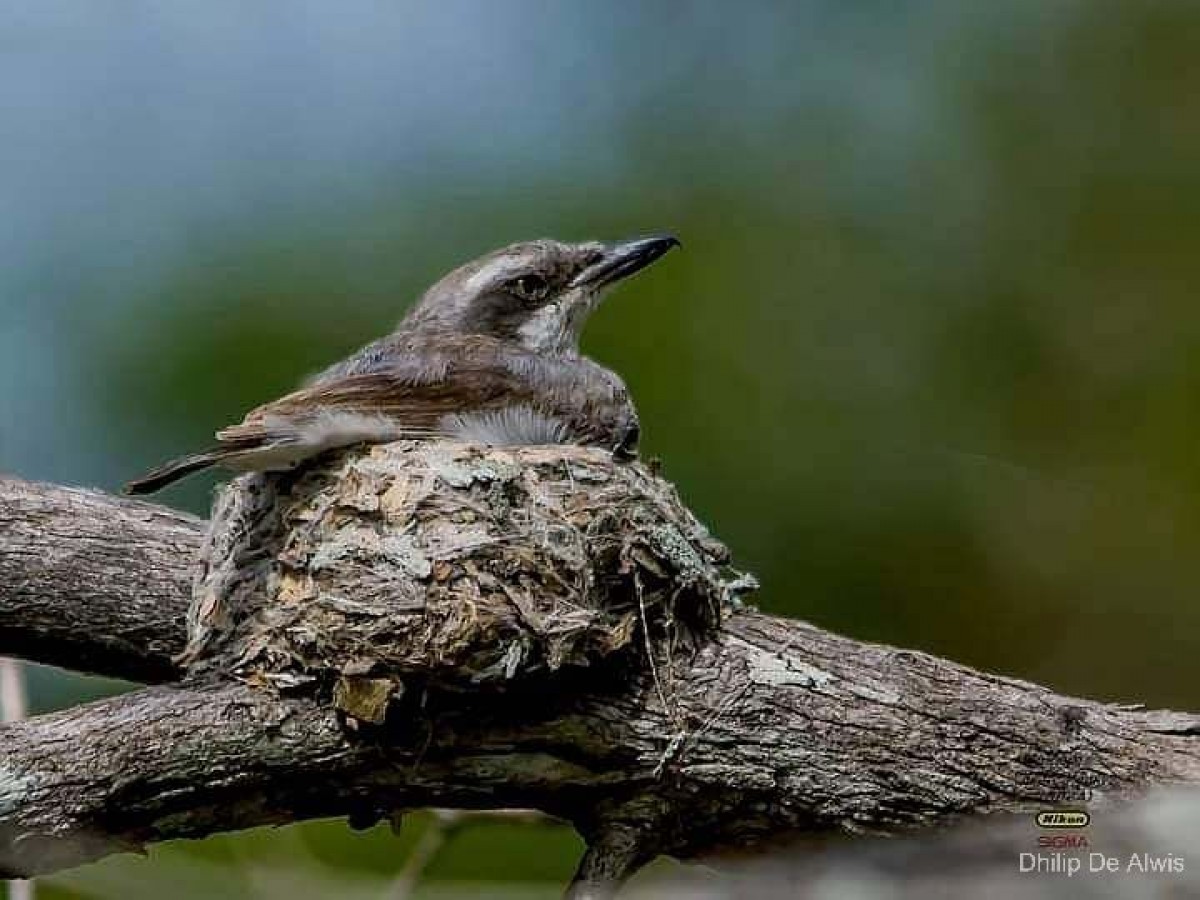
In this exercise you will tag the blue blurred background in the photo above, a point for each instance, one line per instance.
(928, 362)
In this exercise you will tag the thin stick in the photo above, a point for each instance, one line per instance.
(13, 708)
(446, 823)
(430, 844)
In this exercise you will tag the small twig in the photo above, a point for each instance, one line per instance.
(681, 739)
(727, 704)
(13, 708)
(429, 845)
(668, 711)
(680, 736)
(446, 823)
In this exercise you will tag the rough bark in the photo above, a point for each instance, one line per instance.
(759, 729)
(92, 582)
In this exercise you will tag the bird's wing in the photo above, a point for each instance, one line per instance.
(411, 403)
(464, 389)
(384, 398)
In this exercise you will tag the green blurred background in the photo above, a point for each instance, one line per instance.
(928, 362)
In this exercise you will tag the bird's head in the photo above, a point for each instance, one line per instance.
(538, 294)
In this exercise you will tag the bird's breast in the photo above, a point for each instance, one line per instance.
(519, 423)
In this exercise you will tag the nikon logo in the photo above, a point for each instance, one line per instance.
(1063, 819)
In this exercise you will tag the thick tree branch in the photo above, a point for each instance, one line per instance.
(769, 754)
(92, 582)
(769, 727)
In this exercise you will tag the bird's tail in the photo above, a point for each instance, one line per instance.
(174, 470)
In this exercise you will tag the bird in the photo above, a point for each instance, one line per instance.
(489, 354)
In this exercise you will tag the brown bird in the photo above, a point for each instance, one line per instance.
(489, 354)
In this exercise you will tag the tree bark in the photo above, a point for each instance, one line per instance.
(765, 728)
(92, 582)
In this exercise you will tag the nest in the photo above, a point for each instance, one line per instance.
(452, 564)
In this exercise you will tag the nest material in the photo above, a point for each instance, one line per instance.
(455, 564)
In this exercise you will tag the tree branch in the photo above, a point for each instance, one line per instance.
(614, 852)
(767, 727)
(92, 582)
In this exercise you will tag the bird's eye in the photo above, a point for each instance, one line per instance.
(530, 288)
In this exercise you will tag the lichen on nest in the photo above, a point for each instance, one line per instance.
(459, 565)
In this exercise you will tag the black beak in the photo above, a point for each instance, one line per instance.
(622, 259)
